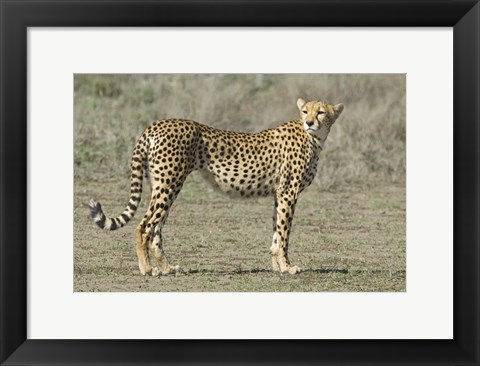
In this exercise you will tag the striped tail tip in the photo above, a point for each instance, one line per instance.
(96, 213)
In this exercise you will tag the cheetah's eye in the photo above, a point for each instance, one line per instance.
(321, 112)
(305, 112)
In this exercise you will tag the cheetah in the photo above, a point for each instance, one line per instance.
(279, 162)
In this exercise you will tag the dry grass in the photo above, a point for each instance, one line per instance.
(366, 144)
(344, 241)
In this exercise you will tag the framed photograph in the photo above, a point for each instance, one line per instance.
(357, 122)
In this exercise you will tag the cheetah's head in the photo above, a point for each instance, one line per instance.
(318, 117)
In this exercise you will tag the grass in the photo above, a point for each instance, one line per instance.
(349, 227)
(367, 143)
(341, 240)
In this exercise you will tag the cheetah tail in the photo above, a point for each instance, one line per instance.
(96, 212)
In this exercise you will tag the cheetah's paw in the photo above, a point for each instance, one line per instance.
(294, 270)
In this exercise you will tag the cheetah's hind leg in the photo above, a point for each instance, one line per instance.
(142, 252)
(156, 248)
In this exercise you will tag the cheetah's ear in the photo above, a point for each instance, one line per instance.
(300, 103)
(339, 108)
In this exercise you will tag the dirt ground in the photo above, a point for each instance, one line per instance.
(350, 240)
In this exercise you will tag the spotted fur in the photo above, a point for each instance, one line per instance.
(279, 162)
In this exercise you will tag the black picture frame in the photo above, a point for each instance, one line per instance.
(17, 15)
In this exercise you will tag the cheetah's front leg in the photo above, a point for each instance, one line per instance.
(283, 216)
(275, 242)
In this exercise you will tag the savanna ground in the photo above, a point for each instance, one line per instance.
(349, 227)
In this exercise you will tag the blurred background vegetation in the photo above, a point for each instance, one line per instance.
(365, 146)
